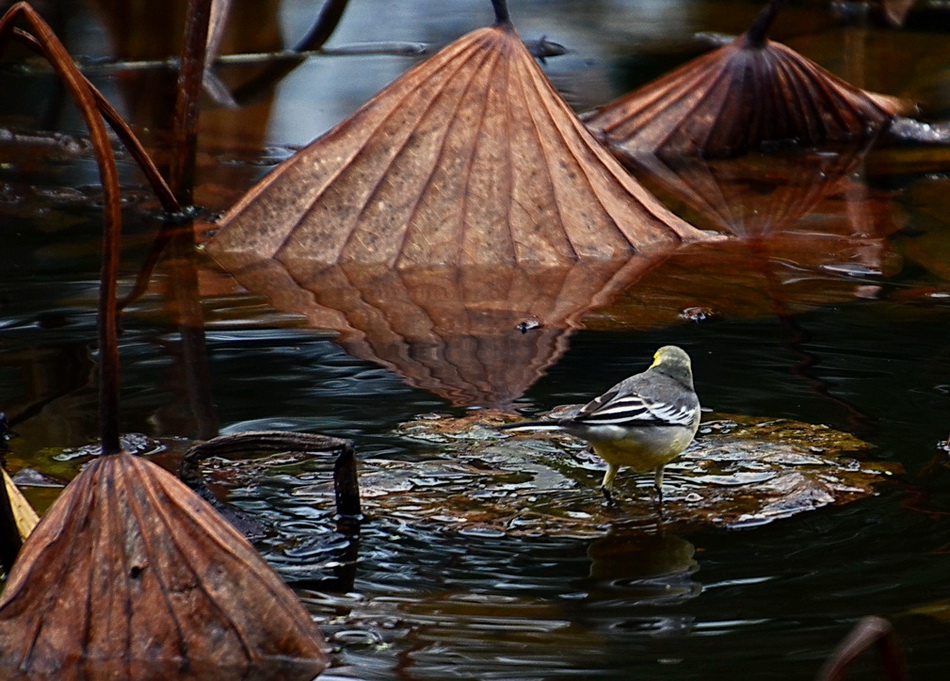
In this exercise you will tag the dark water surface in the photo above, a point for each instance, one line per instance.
(853, 333)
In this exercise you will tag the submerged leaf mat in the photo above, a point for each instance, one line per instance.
(740, 471)
(465, 476)
(477, 481)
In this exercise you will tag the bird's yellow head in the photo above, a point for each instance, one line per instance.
(672, 358)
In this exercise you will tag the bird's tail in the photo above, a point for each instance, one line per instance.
(531, 425)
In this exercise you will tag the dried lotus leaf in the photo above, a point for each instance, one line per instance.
(470, 158)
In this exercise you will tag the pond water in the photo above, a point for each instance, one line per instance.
(850, 330)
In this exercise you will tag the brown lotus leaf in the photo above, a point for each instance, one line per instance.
(476, 335)
(747, 93)
(470, 158)
(131, 575)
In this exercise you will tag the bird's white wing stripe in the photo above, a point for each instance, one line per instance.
(619, 421)
(532, 427)
(632, 410)
(626, 404)
(677, 414)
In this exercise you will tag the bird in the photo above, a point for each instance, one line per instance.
(643, 422)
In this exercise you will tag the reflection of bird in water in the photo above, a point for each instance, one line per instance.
(635, 556)
(644, 421)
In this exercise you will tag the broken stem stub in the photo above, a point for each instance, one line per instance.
(345, 480)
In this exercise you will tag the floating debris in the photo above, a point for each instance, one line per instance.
(133, 443)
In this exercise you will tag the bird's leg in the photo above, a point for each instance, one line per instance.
(658, 483)
(608, 482)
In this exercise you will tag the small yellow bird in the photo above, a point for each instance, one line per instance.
(643, 422)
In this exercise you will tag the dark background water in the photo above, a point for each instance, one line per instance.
(428, 602)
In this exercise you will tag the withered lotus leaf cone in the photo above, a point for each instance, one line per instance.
(735, 99)
(469, 158)
(131, 571)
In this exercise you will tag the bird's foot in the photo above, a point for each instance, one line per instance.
(607, 495)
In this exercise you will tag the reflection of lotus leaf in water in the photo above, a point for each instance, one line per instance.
(483, 335)
(474, 335)
(738, 278)
(816, 191)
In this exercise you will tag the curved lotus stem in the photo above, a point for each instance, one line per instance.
(755, 36)
(501, 11)
(77, 85)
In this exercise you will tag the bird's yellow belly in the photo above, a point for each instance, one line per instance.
(642, 456)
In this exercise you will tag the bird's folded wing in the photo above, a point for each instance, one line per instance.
(633, 410)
